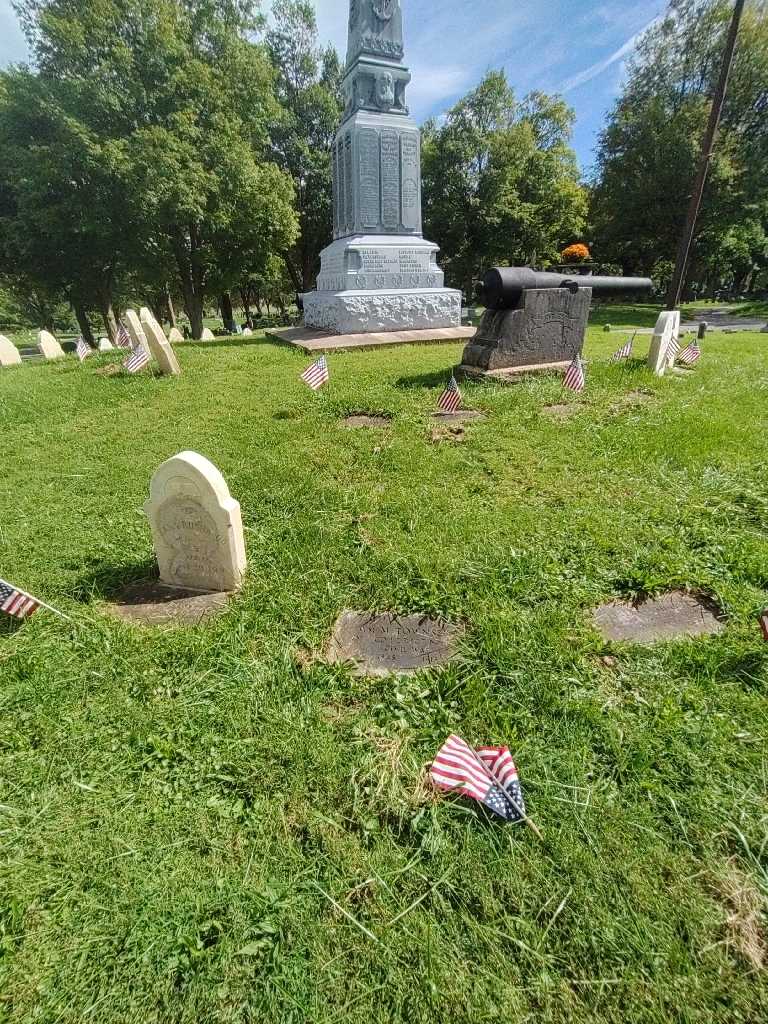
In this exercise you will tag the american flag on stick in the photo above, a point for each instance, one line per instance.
(137, 360)
(487, 775)
(82, 349)
(317, 374)
(575, 378)
(625, 351)
(764, 623)
(123, 339)
(15, 602)
(691, 354)
(450, 400)
(673, 348)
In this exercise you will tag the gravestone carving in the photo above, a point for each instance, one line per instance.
(196, 526)
(159, 346)
(48, 346)
(9, 354)
(384, 645)
(379, 274)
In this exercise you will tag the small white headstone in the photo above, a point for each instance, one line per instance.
(196, 526)
(667, 330)
(9, 354)
(207, 335)
(136, 331)
(105, 345)
(175, 336)
(247, 332)
(48, 346)
(159, 346)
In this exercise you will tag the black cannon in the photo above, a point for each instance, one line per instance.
(503, 287)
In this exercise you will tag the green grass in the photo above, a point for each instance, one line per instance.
(194, 828)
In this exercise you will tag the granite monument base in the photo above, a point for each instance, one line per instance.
(373, 312)
(313, 340)
(547, 330)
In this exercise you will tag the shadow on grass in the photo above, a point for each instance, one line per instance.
(624, 314)
(102, 580)
(435, 379)
(9, 625)
(748, 669)
(228, 342)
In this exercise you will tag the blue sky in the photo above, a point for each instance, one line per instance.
(575, 48)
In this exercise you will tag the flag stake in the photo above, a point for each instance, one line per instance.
(515, 806)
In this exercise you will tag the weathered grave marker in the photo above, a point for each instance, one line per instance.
(160, 346)
(669, 617)
(207, 335)
(48, 346)
(136, 331)
(175, 336)
(662, 353)
(196, 526)
(384, 645)
(9, 354)
(105, 345)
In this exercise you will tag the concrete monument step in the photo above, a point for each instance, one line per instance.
(312, 340)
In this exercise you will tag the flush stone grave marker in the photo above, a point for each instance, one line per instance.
(196, 526)
(9, 354)
(49, 346)
(384, 645)
(379, 274)
(160, 347)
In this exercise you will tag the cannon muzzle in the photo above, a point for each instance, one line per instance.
(502, 287)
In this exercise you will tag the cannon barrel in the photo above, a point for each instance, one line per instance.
(502, 287)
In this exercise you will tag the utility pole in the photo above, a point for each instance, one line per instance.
(681, 266)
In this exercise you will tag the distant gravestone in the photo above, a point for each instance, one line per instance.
(175, 336)
(764, 330)
(48, 347)
(105, 345)
(9, 354)
(247, 332)
(207, 335)
(669, 617)
(196, 526)
(160, 347)
(383, 645)
(667, 331)
(136, 331)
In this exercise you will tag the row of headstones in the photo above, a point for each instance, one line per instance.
(144, 331)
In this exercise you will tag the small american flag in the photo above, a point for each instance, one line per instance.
(123, 339)
(625, 351)
(450, 400)
(764, 623)
(82, 349)
(487, 775)
(691, 354)
(575, 378)
(317, 374)
(15, 602)
(137, 360)
(673, 349)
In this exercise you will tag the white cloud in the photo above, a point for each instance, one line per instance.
(435, 85)
(602, 65)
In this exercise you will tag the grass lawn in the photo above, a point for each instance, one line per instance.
(203, 825)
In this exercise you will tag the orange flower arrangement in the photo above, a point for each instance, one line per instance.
(578, 253)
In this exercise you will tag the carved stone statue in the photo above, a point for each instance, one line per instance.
(385, 90)
(376, 28)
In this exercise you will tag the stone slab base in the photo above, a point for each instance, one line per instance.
(152, 603)
(377, 311)
(312, 340)
(513, 374)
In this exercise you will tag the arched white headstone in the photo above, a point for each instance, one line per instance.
(9, 354)
(159, 346)
(48, 346)
(207, 335)
(662, 353)
(136, 331)
(247, 332)
(175, 336)
(105, 345)
(196, 526)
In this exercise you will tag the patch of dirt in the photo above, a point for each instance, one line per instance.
(456, 434)
(745, 923)
(460, 416)
(110, 370)
(561, 411)
(362, 420)
(632, 400)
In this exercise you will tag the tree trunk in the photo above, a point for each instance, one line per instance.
(227, 313)
(186, 250)
(297, 282)
(171, 310)
(106, 309)
(245, 298)
(82, 323)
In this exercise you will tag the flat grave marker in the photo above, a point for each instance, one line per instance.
(381, 645)
(669, 617)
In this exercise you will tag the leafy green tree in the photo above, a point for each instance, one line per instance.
(501, 182)
(309, 89)
(650, 147)
(175, 103)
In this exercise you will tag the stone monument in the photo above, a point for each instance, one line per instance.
(105, 345)
(196, 526)
(9, 354)
(207, 335)
(136, 331)
(379, 274)
(664, 344)
(175, 336)
(159, 345)
(49, 346)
